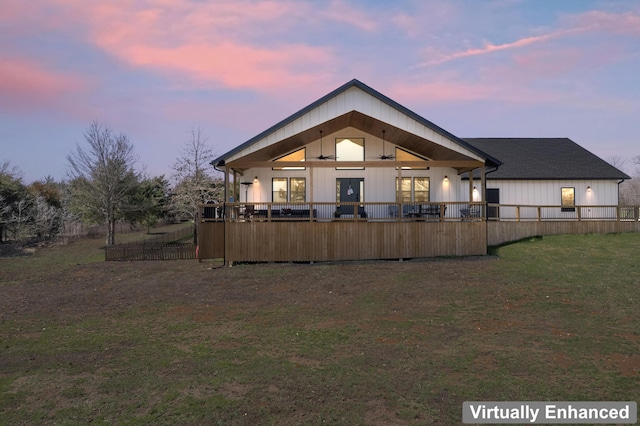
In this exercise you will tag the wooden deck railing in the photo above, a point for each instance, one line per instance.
(331, 211)
(525, 213)
(414, 211)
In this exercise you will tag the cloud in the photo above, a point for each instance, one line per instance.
(585, 23)
(491, 48)
(210, 45)
(342, 12)
(232, 65)
(627, 23)
(28, 85)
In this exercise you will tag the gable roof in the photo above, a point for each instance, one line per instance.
(544, 158)
(349, 118)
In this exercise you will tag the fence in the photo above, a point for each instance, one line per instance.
(160, 247)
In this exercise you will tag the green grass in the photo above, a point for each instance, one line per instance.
(345, 343)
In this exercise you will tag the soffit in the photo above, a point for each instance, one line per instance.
(372, 126)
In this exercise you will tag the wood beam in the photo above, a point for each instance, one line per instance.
(378, 163)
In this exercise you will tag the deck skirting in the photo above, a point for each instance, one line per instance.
(339, 240)
(500, 232)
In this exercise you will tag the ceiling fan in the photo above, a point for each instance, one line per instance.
(321, 156)
(384, 156)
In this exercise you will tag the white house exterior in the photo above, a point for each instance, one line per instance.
(396, 145)
(355, 175)
(549, 172)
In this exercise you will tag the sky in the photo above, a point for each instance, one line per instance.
(155, 70)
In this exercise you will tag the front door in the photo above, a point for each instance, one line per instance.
(349, 190)
(492, 197)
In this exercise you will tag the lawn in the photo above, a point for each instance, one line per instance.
(376, 343)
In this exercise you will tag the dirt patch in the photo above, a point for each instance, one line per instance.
(626, 365)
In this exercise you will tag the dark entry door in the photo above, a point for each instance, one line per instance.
(349, 190)
(492, 197)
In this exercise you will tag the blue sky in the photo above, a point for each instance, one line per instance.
(154, 70)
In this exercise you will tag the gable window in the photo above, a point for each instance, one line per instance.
(350, 149)
(299, 155)
(415, 189)
(402, 155)
(568, 203)
(289, 190)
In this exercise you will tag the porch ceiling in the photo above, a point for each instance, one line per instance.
(402, 138)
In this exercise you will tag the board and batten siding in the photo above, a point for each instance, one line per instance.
(548, 193)
(379, 182)
(345, 102)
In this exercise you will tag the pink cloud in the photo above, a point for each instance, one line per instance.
(340, 11)
(491, 48)
(585, 23)
(26, 84)
(505, 88)
(232, 65)
(212, 44)
(614, 23)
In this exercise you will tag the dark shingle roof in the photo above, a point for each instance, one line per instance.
(544, 158)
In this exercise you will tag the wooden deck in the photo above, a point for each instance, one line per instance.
(236, 234)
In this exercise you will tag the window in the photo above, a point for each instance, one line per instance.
(350, 149)
(279, 189)
(299, 155)
(285, 190)
(402, 155)
(568, 202)
(298, 190)
(414, 189)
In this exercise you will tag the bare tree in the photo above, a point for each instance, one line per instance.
(194, 183)
(636, 161)
(103, 176)
(617, 162)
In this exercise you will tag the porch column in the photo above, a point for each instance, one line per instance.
(226, 185)
(470, 186)
(399, 193)
(483, 190)
(483, 183)
(234, 192)
(311, 194)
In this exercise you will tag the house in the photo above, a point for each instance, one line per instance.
(353, 145)
(548, 172)
(355, 175)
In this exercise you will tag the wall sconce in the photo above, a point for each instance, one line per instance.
(446, 178)
(588, 189)
(475, 189)
(255, 179)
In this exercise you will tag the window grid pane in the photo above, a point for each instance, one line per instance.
(298, 190)
(279, 190)
(421, 189)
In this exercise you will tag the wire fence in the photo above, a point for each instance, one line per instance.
(166, 246)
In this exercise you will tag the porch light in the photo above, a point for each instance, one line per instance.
(588, 189)
(255, 179)
(446, 178)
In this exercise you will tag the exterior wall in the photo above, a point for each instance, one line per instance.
(347, 101)
(379, 183)
(548, 193)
